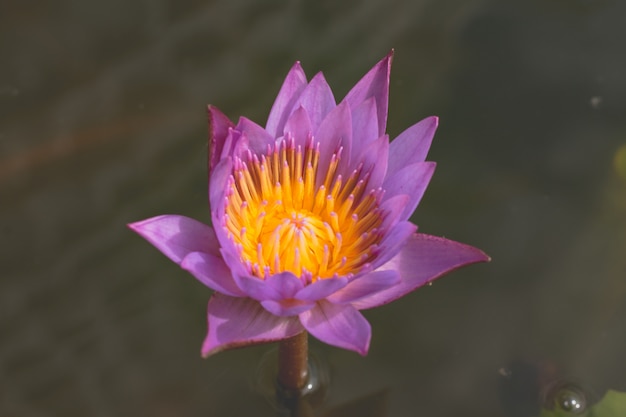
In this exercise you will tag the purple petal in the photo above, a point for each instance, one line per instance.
(393, 207)
(393, 241)
(292, 87)
(423, 259)
(286, 308)
(364, 123)
(218, 182)
(212, 272)
(257, 137)
(374, 84)
(365, 286)
(233, 141)
(412, 145)
(232, 259)
(299, 126)
(317, 99)
(338, 325)
(411, 180)
(334, 132)
(286, 284)
(237, 322)
(321, 288)
(177, 236)
(256, 288)
(374, 159)
(219, 126)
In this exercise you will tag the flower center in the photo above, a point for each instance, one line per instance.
(284, 215)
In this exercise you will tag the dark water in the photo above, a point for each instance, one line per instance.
(102, 122)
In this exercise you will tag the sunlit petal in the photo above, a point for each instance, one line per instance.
(237, 322)
(338, 325)
(423, 259)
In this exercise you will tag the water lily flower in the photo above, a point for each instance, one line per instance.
(310, 217)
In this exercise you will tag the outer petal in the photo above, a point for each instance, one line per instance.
(338, 325)
(374, 84)
(212, 272)
(294, 84)
(411, 180)
(177, 236)
(218, 183)
(219, 126)
(365, 286)
(412, 145)
(423, 259)
(238, 322)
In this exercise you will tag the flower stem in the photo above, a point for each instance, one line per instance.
(293, 362)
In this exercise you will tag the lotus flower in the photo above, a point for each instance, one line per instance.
(310, 217)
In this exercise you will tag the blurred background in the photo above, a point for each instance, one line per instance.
(103, 122)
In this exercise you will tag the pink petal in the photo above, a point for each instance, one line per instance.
(256, 288)
(335, 132)
(412, 145)
(292, 87)
(411, 180)
(364, 123)
(285, 283)
(230, 255)
(299, 127)
(237, 322)
(374, 159)
(423, 258)
(177, 236)
(338, 325)
(287, 308)
(365, 286)
(233, 139)
(321, 288)
(219, 126)
(257, 137)
(317, 99)
(374, 84)
(217, 183)
(212, 272)
(393, 207)
(393, 241)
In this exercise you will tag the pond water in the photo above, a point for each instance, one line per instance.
(103, 122)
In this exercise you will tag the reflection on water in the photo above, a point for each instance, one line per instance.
(102, 122)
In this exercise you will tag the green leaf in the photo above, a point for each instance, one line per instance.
(612, 404)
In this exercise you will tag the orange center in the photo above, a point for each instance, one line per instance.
(281, 220)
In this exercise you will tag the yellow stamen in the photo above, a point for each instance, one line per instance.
(280, 219)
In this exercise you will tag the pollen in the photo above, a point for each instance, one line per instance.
(284, 215)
